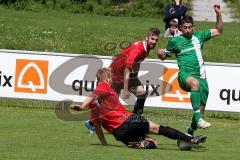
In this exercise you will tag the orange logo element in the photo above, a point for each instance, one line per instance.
(171, 89)
(31, 76)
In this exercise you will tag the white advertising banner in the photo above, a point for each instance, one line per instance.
(58, 76)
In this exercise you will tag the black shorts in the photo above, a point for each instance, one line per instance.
(133, 83)
(134, 129)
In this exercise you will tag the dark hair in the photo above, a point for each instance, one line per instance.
(154, 31)
(186, 19)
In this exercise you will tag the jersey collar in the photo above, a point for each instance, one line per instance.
(145, 46)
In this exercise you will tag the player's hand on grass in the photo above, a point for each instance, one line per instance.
(76, 107)
(104, 142)
(126, 94)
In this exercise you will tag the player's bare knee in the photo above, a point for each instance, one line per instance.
(194, 85)
(153, 128)
(140, 90)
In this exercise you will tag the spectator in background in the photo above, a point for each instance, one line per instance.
(175, 10)
(173, 30)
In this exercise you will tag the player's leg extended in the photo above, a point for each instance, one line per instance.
(133, 133)
(193, 84)
(196, 100)
(203, 98)
(174, 134)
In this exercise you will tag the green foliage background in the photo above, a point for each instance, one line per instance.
(151, 8)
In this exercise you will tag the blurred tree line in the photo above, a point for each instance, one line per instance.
(146, 8)
(235, 4)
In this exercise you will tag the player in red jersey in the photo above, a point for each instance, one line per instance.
(127, 127)
(125, 68)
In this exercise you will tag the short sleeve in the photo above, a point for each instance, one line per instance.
(171, 47)
(132, 59)
(205, 35)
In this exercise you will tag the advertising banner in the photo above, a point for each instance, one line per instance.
(61, 76)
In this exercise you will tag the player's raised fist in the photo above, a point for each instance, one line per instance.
(217, 8)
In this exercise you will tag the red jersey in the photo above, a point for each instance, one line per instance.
(108, 108)
(128, 57)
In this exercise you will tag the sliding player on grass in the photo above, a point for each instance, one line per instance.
(127, 127)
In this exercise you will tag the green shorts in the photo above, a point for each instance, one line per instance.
(203, 88)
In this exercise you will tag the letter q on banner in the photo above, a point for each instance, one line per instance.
(31, 76)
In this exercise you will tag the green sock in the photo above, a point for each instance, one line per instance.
(193, 126)
(195, 99)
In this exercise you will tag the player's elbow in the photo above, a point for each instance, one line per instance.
(216, 32)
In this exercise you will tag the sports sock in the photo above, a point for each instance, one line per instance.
(193, 126)
(138, 107)
(195, 100)
(173, 134)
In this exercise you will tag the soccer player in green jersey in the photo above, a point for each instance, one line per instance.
(192, 77)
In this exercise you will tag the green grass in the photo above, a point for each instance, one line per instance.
(80, 33)
(28, 133)
(30, 129)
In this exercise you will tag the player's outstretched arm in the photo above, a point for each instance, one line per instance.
(78, 107)
(218, 29)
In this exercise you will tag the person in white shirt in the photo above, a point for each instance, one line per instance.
(173, 30)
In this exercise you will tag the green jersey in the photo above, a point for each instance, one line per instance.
(189, 52)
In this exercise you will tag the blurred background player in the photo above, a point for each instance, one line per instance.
(125, 68)
(127, 127)
(188, 50)
(173, 30)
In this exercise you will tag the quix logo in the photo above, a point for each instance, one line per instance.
(31, 76)
(171, 90)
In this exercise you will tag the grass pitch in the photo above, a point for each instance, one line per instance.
(36, 133)
(31, 130)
